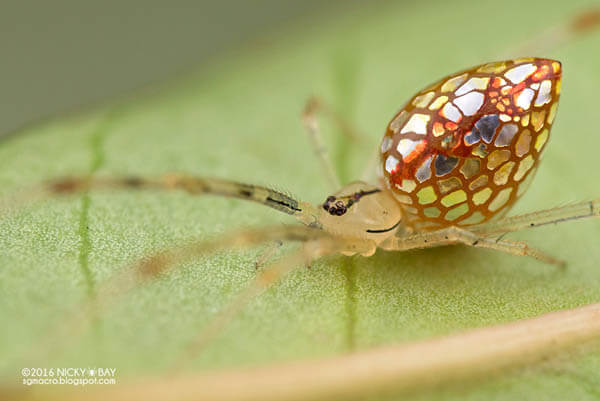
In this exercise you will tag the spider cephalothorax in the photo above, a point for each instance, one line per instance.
(360, 210)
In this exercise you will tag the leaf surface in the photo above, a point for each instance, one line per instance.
(238, 118)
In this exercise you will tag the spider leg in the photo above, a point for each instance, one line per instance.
(303, 211)
(549, 39)
(313, 107)
(455, 235)
(316, 242)
(370, 172)
(310, 251)
(158, 263)
(577, 211)
(268, 253)
(314, 133)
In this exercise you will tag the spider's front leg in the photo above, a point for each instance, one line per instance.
(268, 253)
(314, 107)
(456, 235)
(313, 246)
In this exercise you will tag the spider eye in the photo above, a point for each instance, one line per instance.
(336, 207)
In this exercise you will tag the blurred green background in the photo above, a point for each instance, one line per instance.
(235, 114)
(57, 56)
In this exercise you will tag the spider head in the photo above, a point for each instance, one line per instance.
(360, 210)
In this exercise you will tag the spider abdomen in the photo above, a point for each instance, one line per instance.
(464, 149)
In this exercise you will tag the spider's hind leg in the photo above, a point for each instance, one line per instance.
(549, 39)
(562, 214)
(455, 235)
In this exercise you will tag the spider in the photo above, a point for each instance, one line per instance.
(452, 162)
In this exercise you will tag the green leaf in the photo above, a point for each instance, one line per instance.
(239, 119)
